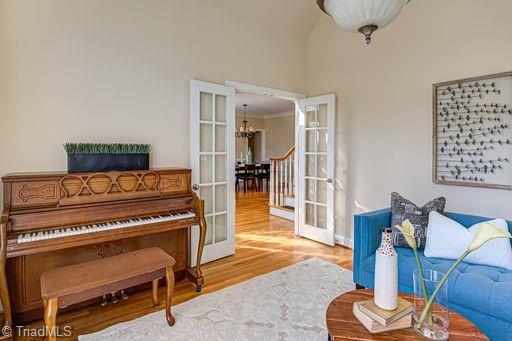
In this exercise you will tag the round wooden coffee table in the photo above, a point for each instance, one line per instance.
(343, 325)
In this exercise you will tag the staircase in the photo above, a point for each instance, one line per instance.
(282, 185)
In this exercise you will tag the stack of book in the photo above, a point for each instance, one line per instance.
(378, 320)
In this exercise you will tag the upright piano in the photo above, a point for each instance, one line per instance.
(51, 220)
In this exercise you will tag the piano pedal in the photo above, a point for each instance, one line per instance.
(124, 295)
(104, 300)
(114, 298)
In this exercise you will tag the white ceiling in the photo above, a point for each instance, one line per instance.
(262, 106)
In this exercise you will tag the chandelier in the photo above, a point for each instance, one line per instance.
(364, 16)
(243, 132)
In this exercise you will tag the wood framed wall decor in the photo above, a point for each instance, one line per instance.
(472, 132)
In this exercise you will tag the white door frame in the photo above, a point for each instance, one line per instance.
(263, 91)
(272, 92)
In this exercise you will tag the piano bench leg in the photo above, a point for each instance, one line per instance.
(50, 315)
(169, 282)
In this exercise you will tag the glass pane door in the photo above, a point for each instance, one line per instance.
(316, 160)
(212, 155)
(316, 157)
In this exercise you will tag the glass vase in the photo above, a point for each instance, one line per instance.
(435, 325)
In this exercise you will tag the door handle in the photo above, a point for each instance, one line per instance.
(195, 187)
(330, 180)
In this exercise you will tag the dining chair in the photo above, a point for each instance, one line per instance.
(239, 175)
(249, 174)
(263, 174)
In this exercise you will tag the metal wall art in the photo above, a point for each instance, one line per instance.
(472, 134)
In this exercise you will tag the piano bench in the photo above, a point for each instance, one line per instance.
(72, 284)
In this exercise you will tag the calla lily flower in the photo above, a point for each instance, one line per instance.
(485, 233)
(407, 229)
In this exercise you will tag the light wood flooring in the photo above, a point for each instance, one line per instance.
(264, 243)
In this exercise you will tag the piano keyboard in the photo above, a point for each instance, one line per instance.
(72, 231)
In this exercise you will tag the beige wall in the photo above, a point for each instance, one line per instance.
(118, 70)
(384, 99)
(280, 133)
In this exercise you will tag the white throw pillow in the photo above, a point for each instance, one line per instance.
(448, 239)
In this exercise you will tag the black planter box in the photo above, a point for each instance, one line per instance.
(78, 163)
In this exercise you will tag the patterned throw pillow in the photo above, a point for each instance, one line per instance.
(402, 209)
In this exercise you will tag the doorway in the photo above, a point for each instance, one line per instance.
(214, 125)
(264, 131)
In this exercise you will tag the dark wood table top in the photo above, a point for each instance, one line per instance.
(343, 325)
(257, 166)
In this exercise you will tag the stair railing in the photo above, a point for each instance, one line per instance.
(282, 176)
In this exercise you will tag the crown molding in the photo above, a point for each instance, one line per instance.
(268, 116)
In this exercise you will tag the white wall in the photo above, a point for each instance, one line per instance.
(384, 94)
(118, 70)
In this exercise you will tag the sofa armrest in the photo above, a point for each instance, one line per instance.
(367, 237)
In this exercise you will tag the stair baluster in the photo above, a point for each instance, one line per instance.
(282, 175)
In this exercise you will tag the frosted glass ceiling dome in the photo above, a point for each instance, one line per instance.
(365, 16)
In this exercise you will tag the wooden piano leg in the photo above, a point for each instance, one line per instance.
(199, 207)
(4, 289)
(169, 281)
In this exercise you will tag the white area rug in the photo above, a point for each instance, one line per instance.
(287, 304)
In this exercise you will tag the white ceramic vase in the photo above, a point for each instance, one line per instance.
(386, 273)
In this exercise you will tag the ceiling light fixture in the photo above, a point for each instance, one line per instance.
(364, 16)
(244, 132)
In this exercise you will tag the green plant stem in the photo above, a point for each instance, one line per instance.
(439, 286)
(423, 285)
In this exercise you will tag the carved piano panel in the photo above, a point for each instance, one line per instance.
(35, 193)
(111, 186)
(63, 189)
(174, 184)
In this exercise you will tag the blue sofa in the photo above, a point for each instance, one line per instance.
(483, 294)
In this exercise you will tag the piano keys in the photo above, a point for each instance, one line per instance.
(56, 219)
(99, 227)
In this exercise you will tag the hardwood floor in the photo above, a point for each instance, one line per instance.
(264, 243)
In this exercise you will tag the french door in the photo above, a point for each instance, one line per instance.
(315, 142)
(212, 151)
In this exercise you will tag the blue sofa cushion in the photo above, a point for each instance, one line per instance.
(476, 287)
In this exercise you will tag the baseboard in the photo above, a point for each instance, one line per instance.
(344, 241)
(282, 213)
